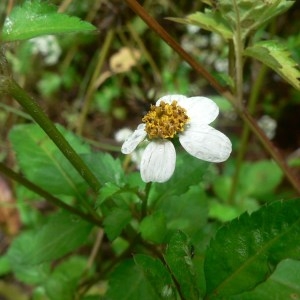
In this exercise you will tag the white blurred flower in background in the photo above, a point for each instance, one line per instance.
(48, 47)
(268, 125)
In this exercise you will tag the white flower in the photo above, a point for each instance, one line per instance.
(186, 117)
(47, 46)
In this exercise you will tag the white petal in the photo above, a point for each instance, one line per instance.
(158, 161)
(170, 98)
(133, 140)
(201, 110)
(206, 143)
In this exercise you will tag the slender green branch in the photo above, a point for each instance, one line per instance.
(239, 64)
(139, 10)
(246, 130)
(145, 199)
(92, 87)
(50, 198)
(10, 87)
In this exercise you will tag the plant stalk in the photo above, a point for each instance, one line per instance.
(10, 87)
(47, 196)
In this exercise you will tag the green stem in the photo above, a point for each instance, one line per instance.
(10, 87)
(153, 24)
(246, 131)
(238, 50)
(50, 198)
(92, 87)
(145, 199)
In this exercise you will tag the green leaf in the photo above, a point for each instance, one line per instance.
(246, 251)
(179, 261)
(264, 171)
(42, 162)
(282, 284)
(277, 57)
(188, 172)
(250, 15)
(187, 212)
(157, 275)
(105, 167)
(116, 221)
(60, 235)
(128, 282)
(153, 227)
(23, 270)
(210, 20)
(62, 283)
(35, 18)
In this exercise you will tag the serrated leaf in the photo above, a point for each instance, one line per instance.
(128, 282)
(278, 58)
(23, 270)
(36, 18)
(42, 162)
(284, 283)
(115, 222)
(59, 236)
(210, 20)
(157, 275)
(249, 15)
(178, 258)
(246, 251)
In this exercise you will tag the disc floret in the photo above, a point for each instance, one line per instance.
(165, 121)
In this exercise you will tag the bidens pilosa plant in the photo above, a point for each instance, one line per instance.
(178, 209)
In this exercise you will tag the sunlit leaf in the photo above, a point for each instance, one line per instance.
(246, 251)
(277, 57)
(247, 15)
(209, 20)
(35, 18)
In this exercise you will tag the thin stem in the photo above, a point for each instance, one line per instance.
(50, 198)
(92, 87)
(238, 51)
(246, 131)
(9, 86)
(145, 199)
(139, 10)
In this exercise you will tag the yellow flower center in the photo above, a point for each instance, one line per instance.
(165, 121)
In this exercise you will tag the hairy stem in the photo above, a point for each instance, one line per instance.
(50, 198)
(10, 87)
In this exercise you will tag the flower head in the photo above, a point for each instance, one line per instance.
(187, 118)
